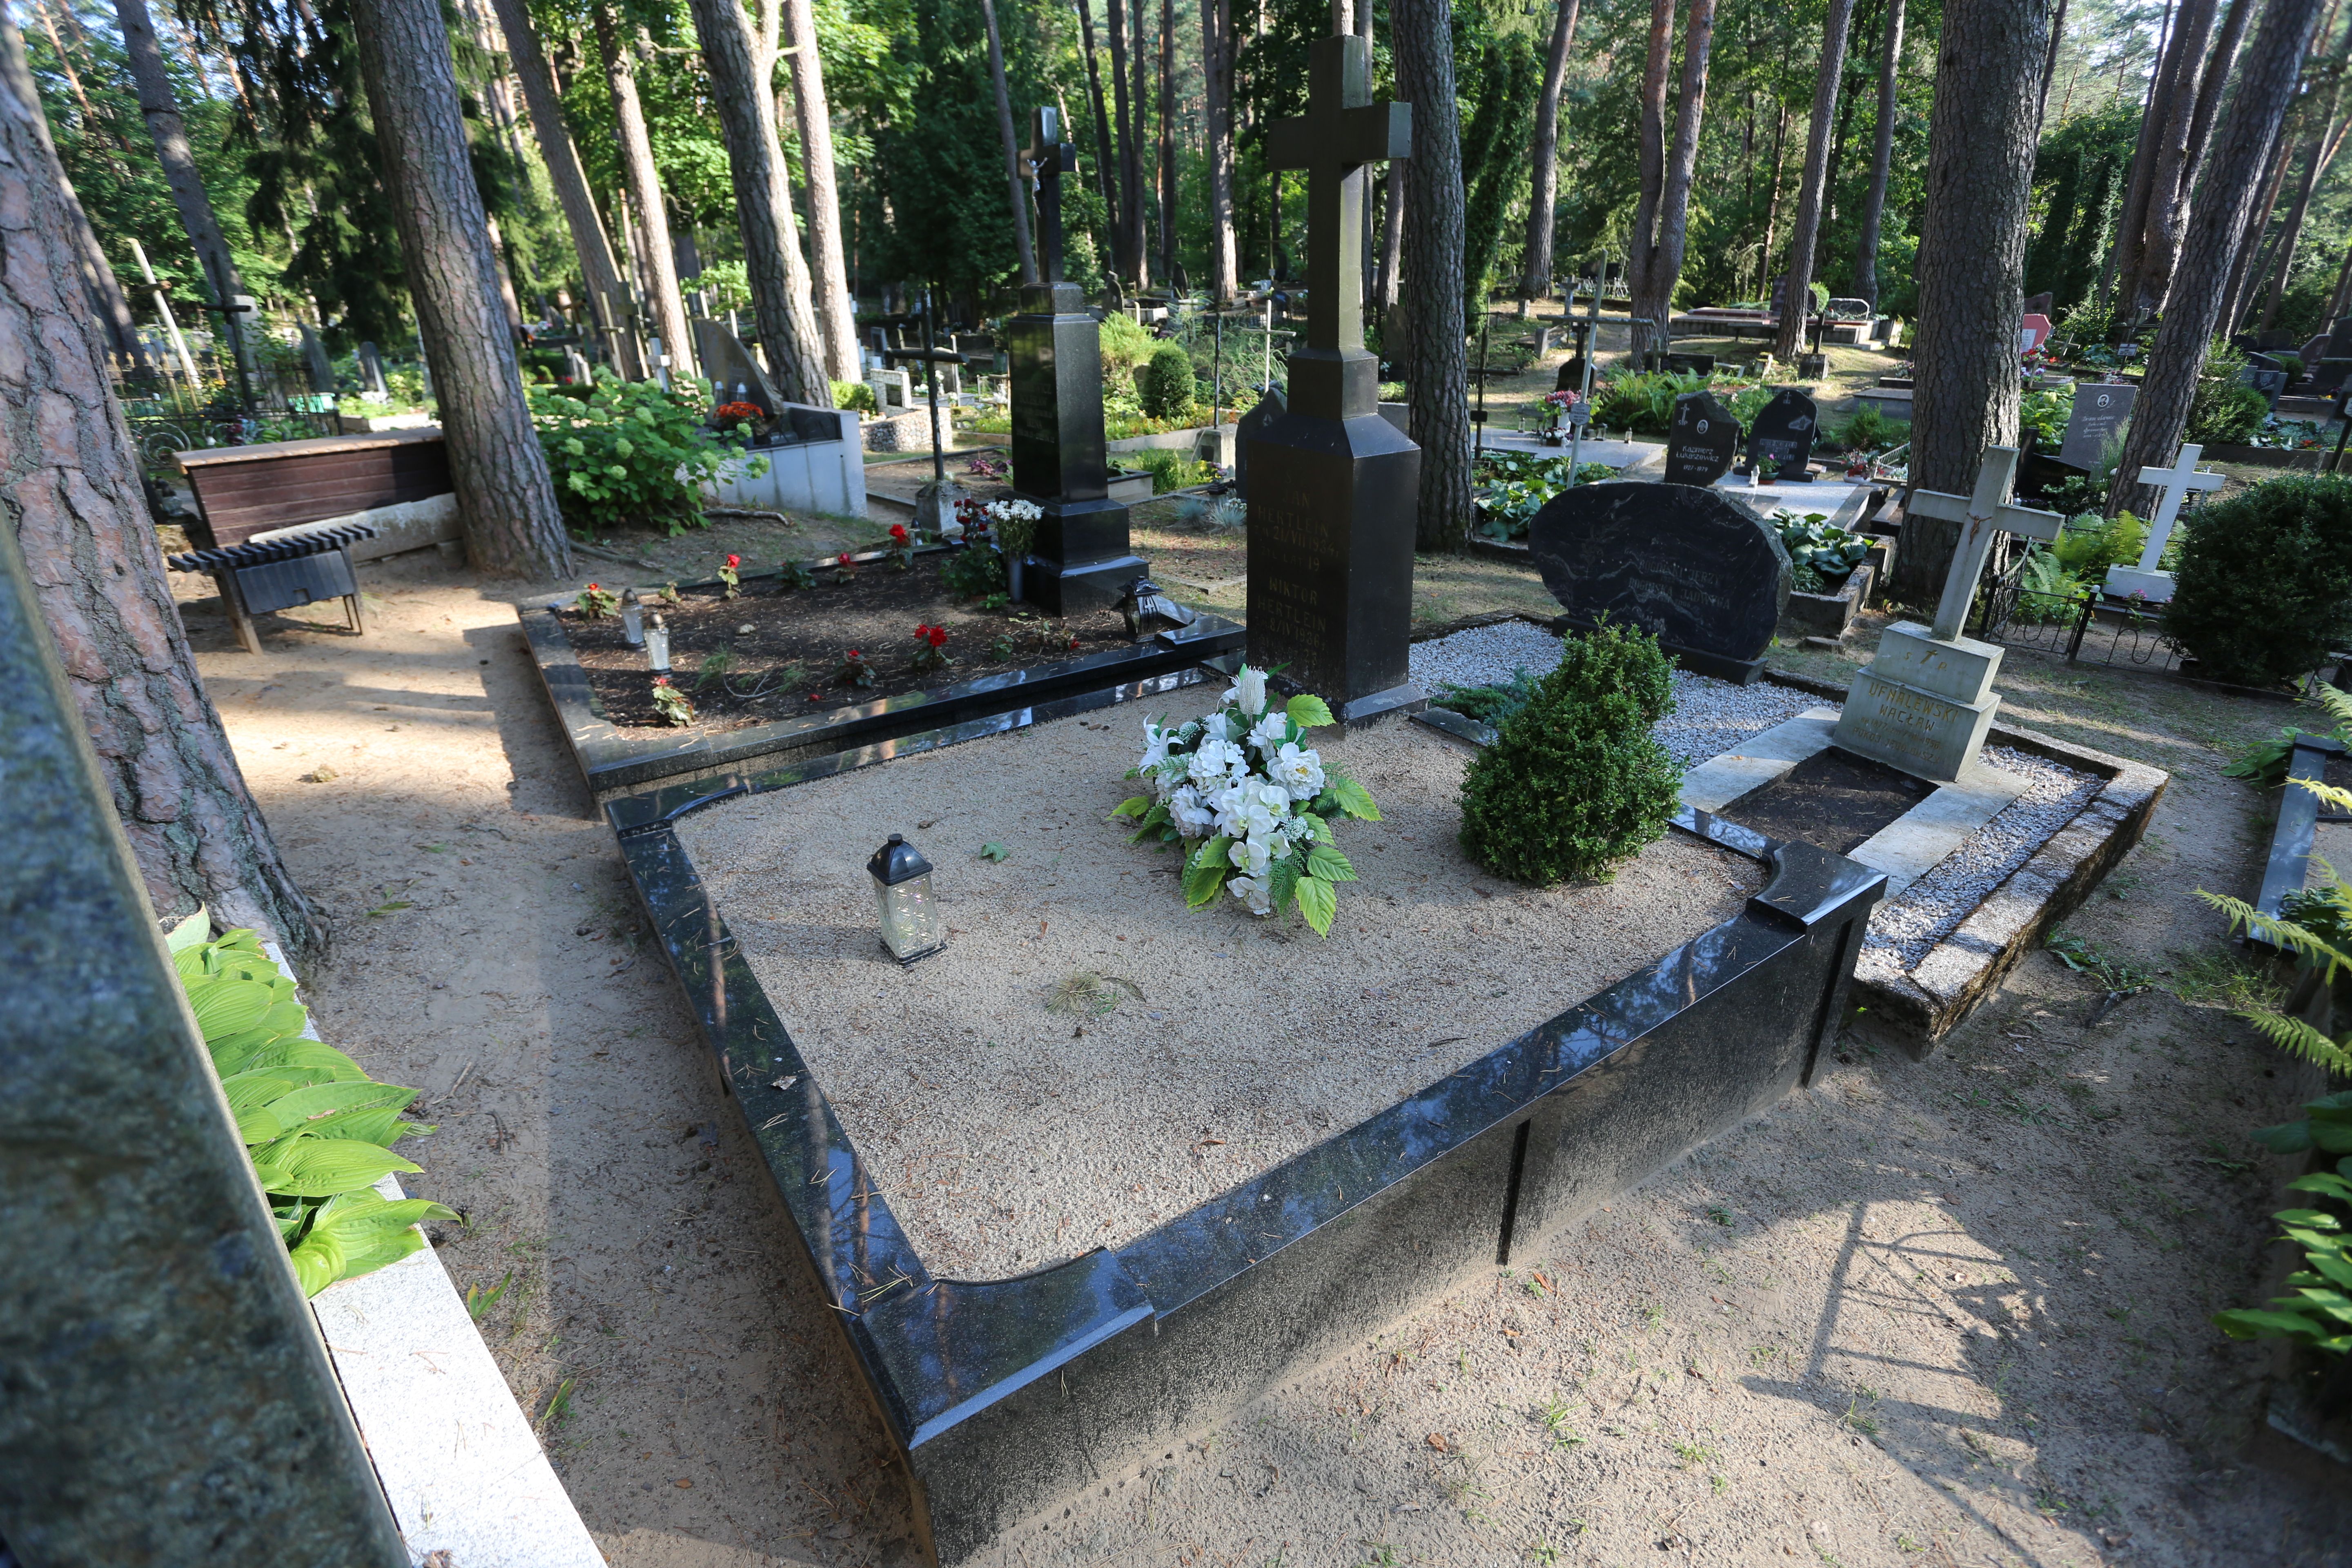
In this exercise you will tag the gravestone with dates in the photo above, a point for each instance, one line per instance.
(1333, 485)
(1782, 437)
(1694, 568)
(2097, 421)
(1700, 440)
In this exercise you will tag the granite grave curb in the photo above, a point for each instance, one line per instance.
(1005, 1397)
(610, 762)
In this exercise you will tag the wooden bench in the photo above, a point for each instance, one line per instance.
(268, 494)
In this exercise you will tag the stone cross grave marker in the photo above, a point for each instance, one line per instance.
(1782, 437)
(1700, 441)
(1701, 573)
(1925, 702)
(1080, 559)
(2177, 481)
(1333, 485)
(2097, 421)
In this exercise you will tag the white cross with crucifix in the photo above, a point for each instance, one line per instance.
(1980, 516)
(2176, 482)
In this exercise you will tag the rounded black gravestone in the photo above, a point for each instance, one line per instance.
(1699, 572)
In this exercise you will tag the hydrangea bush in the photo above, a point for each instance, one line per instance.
(1255, 805)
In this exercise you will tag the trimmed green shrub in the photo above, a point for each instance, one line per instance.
(631, 453)
(2265, 587)
(1165, 383)
(1576, 783)
(857, 395)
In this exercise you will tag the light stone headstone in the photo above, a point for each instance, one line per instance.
(1924, 703)
(2145, 580)
(892, 389)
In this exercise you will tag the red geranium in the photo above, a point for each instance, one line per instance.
(738, 411)
(898, 533)
(733, 561)
(935, 635)
(842, 559)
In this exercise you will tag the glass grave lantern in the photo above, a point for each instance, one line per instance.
(912, 926)
(633, 619)
(657, 647)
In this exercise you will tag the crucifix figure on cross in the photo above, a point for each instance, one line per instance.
(1980, 516)
(2151, 585)
(1049, 158)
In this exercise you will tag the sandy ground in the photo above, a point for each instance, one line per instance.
(1947, 1313)
(1224, 1044)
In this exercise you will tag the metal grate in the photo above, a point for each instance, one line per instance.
(263, 553)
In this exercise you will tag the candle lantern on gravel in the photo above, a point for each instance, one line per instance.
(912, 926)
(633, 619)
(657, 646)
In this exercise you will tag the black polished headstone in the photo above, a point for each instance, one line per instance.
(2269, 383)
(1700, 441)
(1782, 435)
(1690, 364)
(1571, 374)
(2101, 409)
(1249, 427)
(1333, 485)
(730, 365)
(1697, 570)
(1081, 559)
(2314, 350)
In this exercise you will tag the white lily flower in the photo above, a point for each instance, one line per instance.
(1252, 856)
(1298, 772)
(1270, 733)
(1156, 741)
(1256, 892)
(1248, 692)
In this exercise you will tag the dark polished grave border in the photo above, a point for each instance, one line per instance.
(1006, 1396)
(610, 761)
(2300, 813)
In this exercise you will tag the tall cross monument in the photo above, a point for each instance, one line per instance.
(2152, 584)
(1925, 702)
(1333, 486)
(1081, 559)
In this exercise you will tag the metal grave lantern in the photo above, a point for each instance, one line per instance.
(912, 926)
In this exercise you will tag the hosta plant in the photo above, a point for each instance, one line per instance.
(1253, 805)
(318, 1129)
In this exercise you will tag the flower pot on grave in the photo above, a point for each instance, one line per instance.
(1016, 578)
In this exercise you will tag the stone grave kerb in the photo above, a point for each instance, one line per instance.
(1333, 486)
(1924, 703)
(2176, 482)
(1081, 559)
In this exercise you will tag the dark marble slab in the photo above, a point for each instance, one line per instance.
(1700, 441)
(1782, 437)
(2101, 410)
(1006, 1396)
(1699, 572)
(2288, 864)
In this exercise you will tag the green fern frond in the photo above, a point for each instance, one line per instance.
(2298, 1038)
(2338, 705)
(2328, 793)
(2284, 935)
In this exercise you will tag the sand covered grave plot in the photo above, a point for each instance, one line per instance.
(1089, 1058)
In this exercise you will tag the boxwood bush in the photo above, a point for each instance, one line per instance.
(1576, 783)
(2264, 584)
(1165, 385)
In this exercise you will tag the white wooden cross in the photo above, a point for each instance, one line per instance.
(1980, 516)
(2176, 482)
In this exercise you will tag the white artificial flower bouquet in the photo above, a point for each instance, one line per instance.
(1253, 804)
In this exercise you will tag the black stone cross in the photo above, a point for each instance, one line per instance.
(1342, 130)
(1049, 159)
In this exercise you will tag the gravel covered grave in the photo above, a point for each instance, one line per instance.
(1011, 1121)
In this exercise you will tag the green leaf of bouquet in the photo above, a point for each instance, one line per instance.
(1355, 800)
(1328, 864)
(1283, 881)
(1308, 710)
(1206, 871)
(1133, 805)
(1318, 903)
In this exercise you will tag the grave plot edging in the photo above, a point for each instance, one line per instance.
(610, 762)
(1006, 1396)
(2288, 863)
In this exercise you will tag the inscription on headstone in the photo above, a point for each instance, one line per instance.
(1700, 440)
(1701, 573)
(2101, 410)
(1782, 439)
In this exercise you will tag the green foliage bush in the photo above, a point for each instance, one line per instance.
(857, 395)
(1575, 783)
(974, 572)
(632, 452)
(1170, 469)
(1166, 384)
(1124, 346)
(2265, 587)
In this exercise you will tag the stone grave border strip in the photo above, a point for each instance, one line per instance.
(2300, 813)
(1006, 1396)
(610, 761)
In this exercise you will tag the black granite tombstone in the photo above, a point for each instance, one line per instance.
(1700, 441)
(1782, 437)
(1702, 573)
(372, 372)
(2330, 373)
(2314, 350)
(1081, 559)
(2269, 383)
(735, 375)
(1333, 485)
(1848, 311)
(1248, 428)
(2101, 407)
(1571, 374)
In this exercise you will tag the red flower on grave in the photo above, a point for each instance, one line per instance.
(855, 654)
(898, 533)
(591, 587)
(733, 561)
(842, 559)
(738, 411)
(935, 635)
(661, 680)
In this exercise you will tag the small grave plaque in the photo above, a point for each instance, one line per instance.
(1251, 426)
(1848, 311)
(2269, 383)
(2101, 409)
(1693, 568)
(1782, 439)
(1700, 441)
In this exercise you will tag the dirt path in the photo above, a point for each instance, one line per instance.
(1949, 1312)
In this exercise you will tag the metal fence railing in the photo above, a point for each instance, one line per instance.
(2082, 624)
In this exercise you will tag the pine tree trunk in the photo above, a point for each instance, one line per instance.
(1217, 68)
(1802, 238)
(2168, 194)
(71, 488)
(1139, 48)
(2050, 67)
(1167, 143)
(1434, 360)
(600, 274)
(1543, 201)
(740, 67)
(656, 264)
(836, 313)
(506, 498)
(1022, 246)
(1392, 204)
(2264, 90)
(2131, 224)
(162, 113)
(2249, 267)
(1657, 266)
(1650, 167)
(1881, 159)
(2316, 155)
(1973, 235)
(1128, 252)
(1105, 180)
